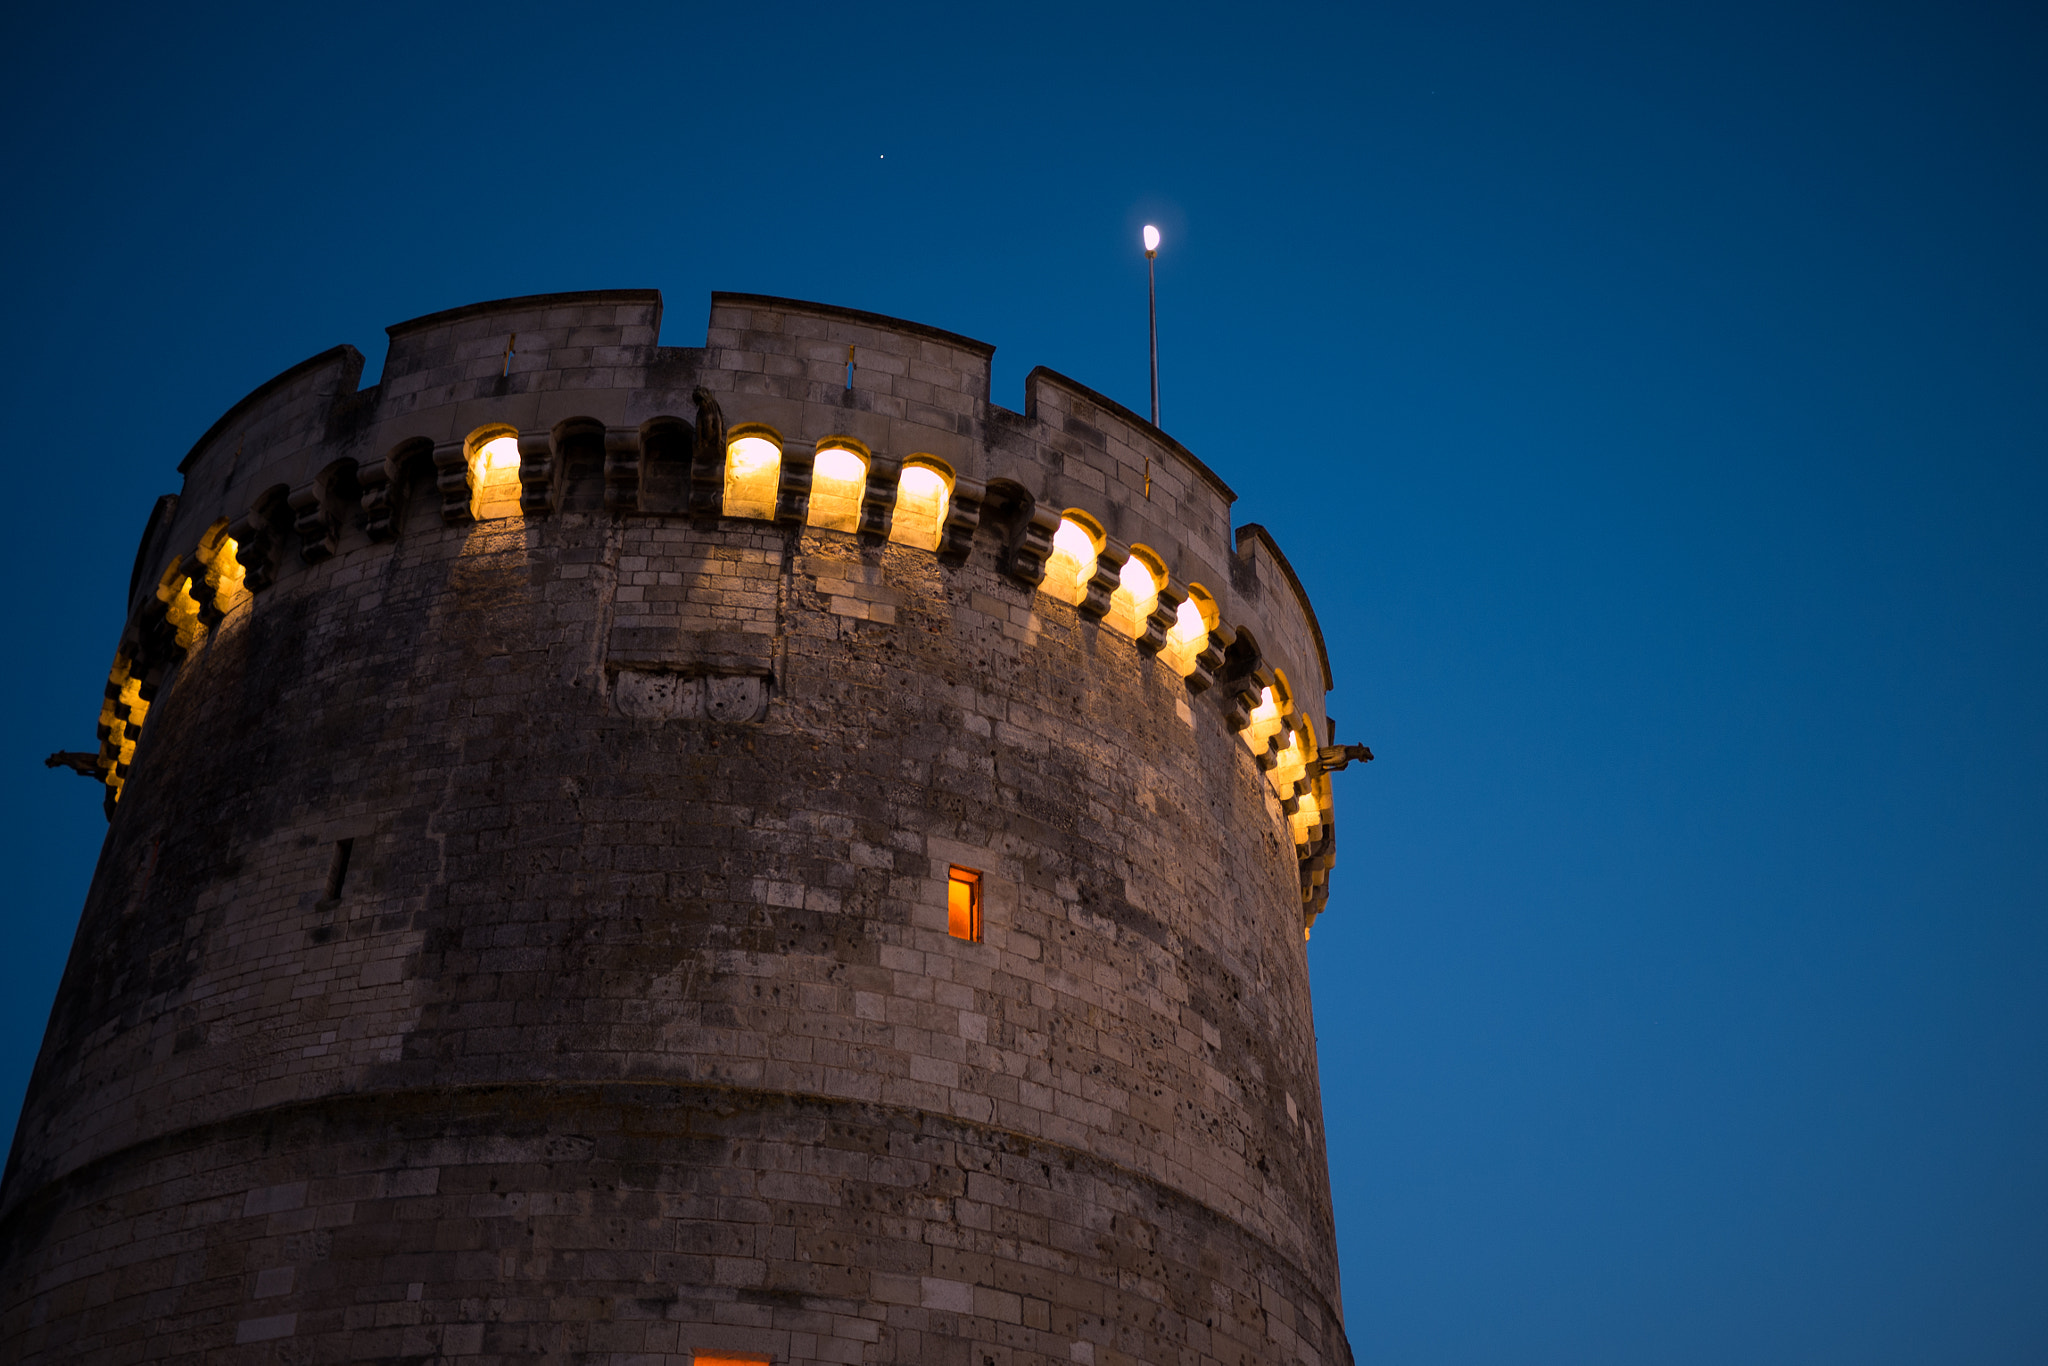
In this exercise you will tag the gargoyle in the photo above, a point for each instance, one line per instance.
(1334, 758)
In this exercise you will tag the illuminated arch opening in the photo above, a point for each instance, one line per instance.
(753, 471)
(1269, 716)
(1308, 811)
(839, 478)
(121, 718)
(493, 455)
(1291, 762)
(922, 493)
(1071, 565)
(1307, 817)
(181, 609)
(223, 574)
(1192, 623)
(1137, 594)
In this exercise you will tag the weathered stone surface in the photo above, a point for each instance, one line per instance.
(527, 939)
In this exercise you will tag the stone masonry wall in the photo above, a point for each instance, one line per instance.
(634, 1030)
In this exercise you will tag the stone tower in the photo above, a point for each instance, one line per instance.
(625, 853)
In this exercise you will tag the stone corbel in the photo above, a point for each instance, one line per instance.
(1276, 743)
(1209, 660)
(121, 714)
(1240, 677)
(1237, 702)
(380, 496)
(317, 541)
(383, 487)
(259, 538)
(1031, 545)
(878, 495)
(1249, 693)
(1109, 567)
(206, 587)
(793, 483)
(963, 515)
(452, 478)
(1165, 616)
(1314, 864)
(157, 637)
(622, 447)
(540, 465)
(1291, 804)
(320, 510)
(707, 458)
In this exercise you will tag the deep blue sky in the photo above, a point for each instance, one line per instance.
(1652, 399)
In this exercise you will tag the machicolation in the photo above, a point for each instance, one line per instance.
(636, 853)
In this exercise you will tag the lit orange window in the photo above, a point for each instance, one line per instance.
(1137, 594)
(1075, 547)
(963, 904)
(838, 480)
(922, 491)
(493, 474)
(753, 473)
(728, 1360)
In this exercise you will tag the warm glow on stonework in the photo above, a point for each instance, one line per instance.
(181, 609)
(1307, 815)
(1072, 562)
(963, 903)
(921, 496)
(494, 479)
(753, 469)
(1136, 596)
(838, 479)
(121, 718)
(1292, 765)
(225, 575)
(1141, 584)
(1265, 721)
(1186, 640)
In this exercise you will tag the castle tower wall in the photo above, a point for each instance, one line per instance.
(529, 937)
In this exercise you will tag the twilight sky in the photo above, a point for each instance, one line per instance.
(1652, 398)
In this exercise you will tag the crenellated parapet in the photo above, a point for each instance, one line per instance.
(795, 416)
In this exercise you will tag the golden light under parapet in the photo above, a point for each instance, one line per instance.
(753, 469)
(224, 579)
(1072, 563)
(1307, 815)
(1192, 622)
(838, 480)
(120, 725)
(1137, 593)
(494, 476)
(1264, 724)
(921, 494)
(1291, 765)
(181, 609)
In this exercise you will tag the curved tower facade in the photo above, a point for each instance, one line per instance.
(631, 853)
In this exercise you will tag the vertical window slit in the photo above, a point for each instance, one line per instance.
(963, 904)
(337, 870)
